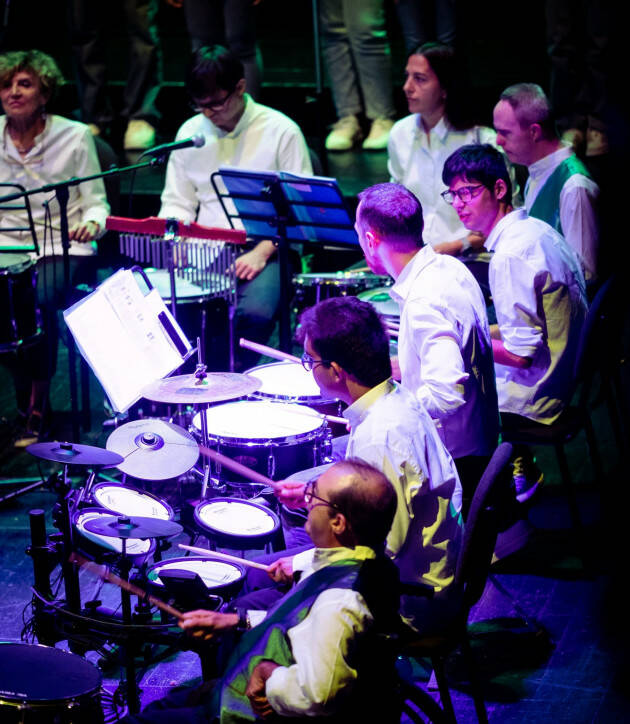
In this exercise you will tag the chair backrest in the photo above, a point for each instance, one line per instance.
(492, 495)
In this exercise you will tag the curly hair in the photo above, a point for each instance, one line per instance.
(40, 64)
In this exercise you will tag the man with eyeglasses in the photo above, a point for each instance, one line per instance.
(538, 291)
(444, 348)
(316, 653)
(238, 132)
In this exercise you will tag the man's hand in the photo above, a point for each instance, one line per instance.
(473, 240)
(204, 625)
(84, 231)
(281, 571)
(250, 264)
(290, 493)
(395, 368)
(255, 690)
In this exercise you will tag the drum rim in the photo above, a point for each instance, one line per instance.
(248, 536)
(25, 263)
(166, 561)
(335, 279)
(156, 498)
(262, 395)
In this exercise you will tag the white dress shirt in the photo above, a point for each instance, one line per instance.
(62, 150)
(444, 350)
(264, 140)
(416, 161)
(539, 296)
(578, 206)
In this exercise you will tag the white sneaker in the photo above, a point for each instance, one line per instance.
(345, 133)
(139, 135)
(378, 135)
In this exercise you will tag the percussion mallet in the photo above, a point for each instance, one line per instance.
(224, 557)
(268, 351)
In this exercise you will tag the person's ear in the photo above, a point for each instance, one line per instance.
(339, 524)
(500, 189)
(241, 87)
(535, 132)
(338, 371)
(372, 241)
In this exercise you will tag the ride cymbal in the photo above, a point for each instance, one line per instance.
(132, 527)
(190, 389)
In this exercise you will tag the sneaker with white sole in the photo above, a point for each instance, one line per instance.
(527, 478)
(344, 134)
(139, 135)
(379, 134)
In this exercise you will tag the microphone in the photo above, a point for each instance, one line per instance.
(196, 141)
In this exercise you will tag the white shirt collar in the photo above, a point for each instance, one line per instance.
(493, 236)
(441, 129)
(402, 286)
(537, 169)
(325, 556)
(358, 410)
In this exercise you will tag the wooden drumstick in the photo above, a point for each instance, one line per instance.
(237, 467)
(268, 351)
(106, 575)
(224, 557)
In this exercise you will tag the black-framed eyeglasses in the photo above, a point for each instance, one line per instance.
(309, 363)
(309, 497)
(465, 194)
(211, 105)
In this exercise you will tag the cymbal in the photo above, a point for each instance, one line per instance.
(153, 449)
(132, 527)
(214, 387)
(71, 453)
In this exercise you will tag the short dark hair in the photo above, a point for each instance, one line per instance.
(394, 212)
(41, 65)
(478, 162)
(349, 331)
(530, 105)
(368, 502)
(451, 74)
(212, 68)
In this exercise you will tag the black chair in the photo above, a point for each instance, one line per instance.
(473, 564)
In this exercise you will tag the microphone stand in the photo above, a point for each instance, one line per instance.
(62, 193)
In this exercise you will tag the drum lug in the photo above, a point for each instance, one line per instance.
(271, 464)
(326, 450)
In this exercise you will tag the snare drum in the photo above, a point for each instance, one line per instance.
(238, 524)
(311, 288)
(120, 499)
(41, 684)
(290, 382)
(221, 578)
(273, 438)
(19, 313)
(137, 548)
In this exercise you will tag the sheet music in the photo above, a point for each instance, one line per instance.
(117, 331)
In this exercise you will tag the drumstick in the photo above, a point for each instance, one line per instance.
(391, 332)
(224, 557)
(105, 575)
(237, 467)
(392, 325)
(269, 351)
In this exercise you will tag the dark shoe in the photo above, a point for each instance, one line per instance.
(32, 431)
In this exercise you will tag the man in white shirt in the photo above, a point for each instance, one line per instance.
(537, 288)
(314, 653)
(560, 189)
(444, 348)
(238, 132)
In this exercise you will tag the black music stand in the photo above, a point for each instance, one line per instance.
(285, 208)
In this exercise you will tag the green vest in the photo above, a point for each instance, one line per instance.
(547, 203)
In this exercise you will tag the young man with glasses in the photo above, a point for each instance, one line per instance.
(444, 348)
(538, 291)
(238, 132)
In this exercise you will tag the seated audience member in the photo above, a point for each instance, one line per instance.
(444, 346)
(315, 652)
(420, 143)
(538, 291)
(40, 148)
(560, 189)
(238, 132)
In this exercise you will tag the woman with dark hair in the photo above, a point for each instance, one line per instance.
(36, 149)
(420, 143)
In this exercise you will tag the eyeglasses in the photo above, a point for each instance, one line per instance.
(212, 105)
(309, 363)
(465, 194)
(309, 496)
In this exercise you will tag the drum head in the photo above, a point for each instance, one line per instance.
(381, 301)
(34, 673)
(214, 574)
(285, 381)
(131, 502)
(135, 546)
(15, 263)
(237, 518)
(257, 421)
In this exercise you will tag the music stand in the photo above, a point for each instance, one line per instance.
(285, 208)
(30, 226)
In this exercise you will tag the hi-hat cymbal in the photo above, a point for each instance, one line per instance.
(132, 527)
(153, 449)
(188, 389)
(71, 453)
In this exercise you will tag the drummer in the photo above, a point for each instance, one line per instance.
(444, 346)
(238, 132)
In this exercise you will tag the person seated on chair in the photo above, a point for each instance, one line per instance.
(559, 189)
(538, 291)
(238, 132)
(444, 347)
(315, 653)
(40, 148)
